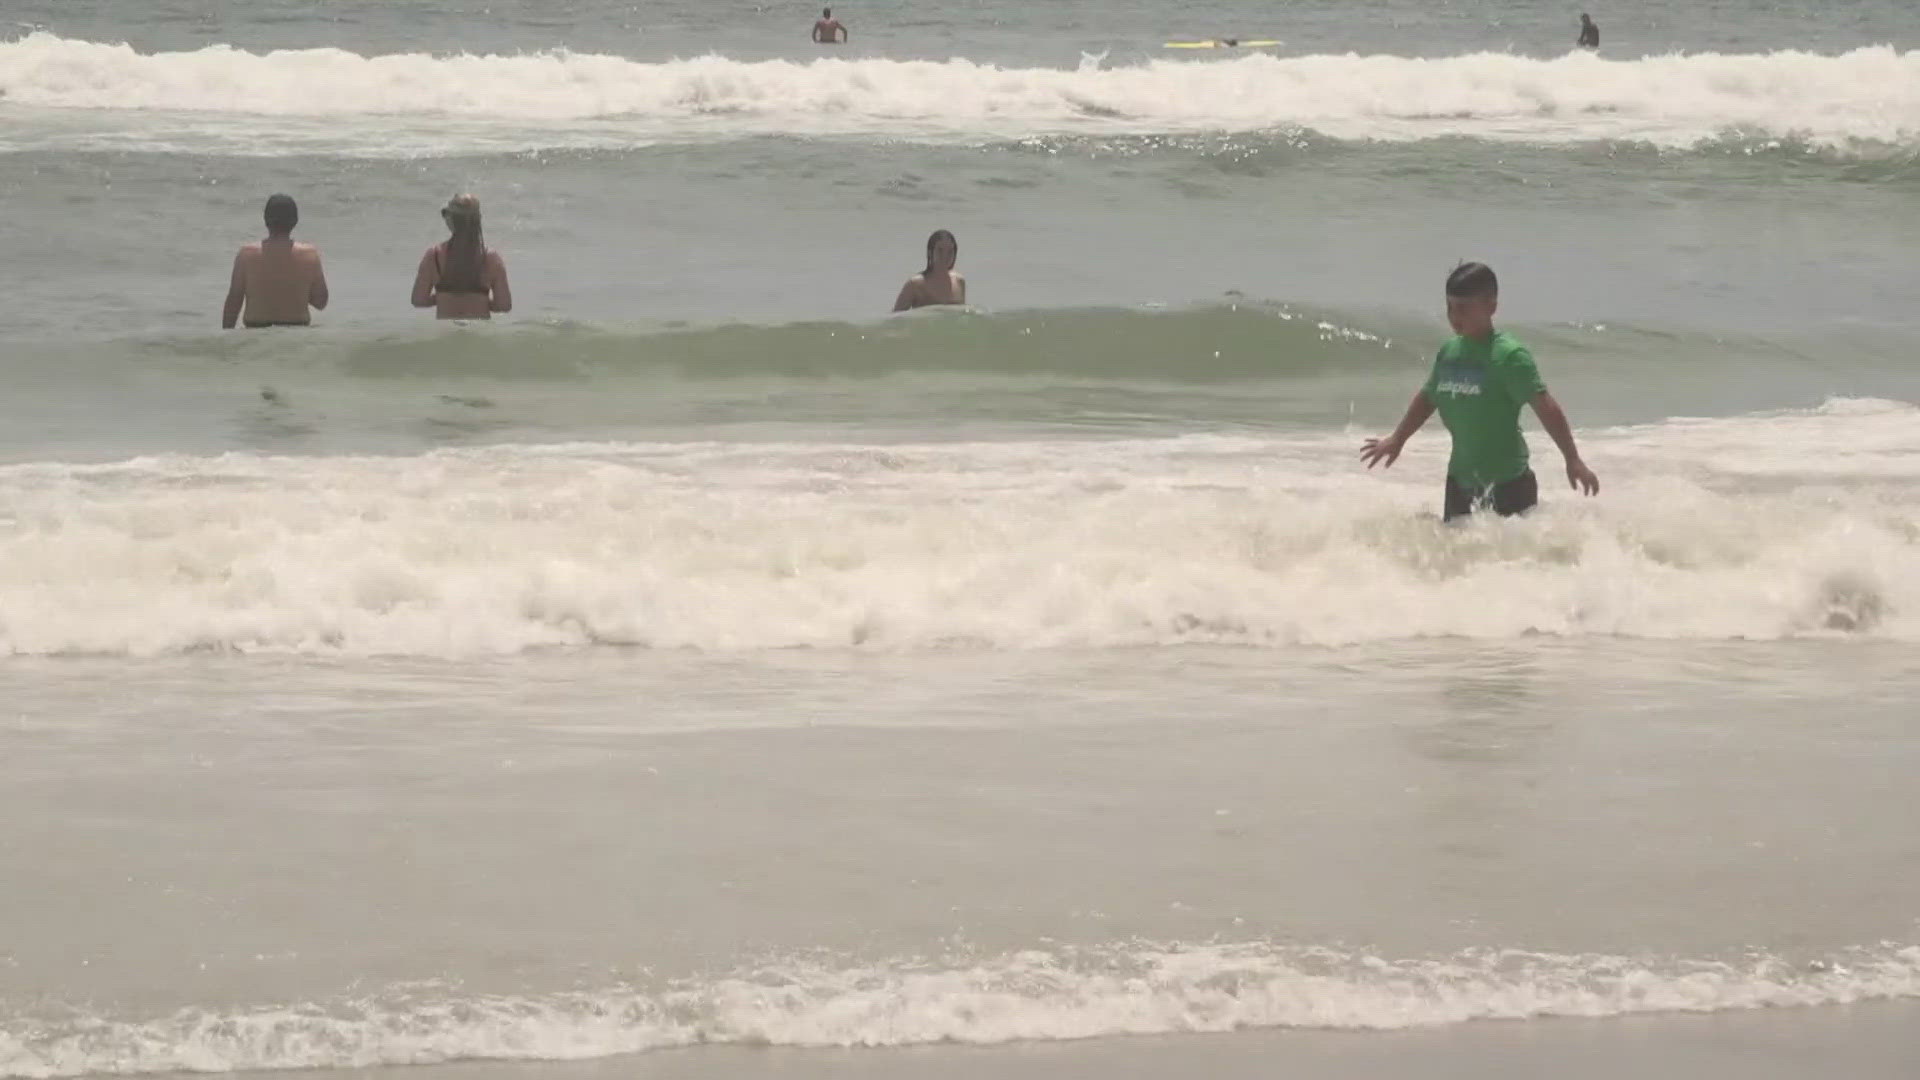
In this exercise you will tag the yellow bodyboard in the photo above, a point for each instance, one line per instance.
(1223, 44)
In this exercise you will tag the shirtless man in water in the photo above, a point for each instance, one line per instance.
(937, 284)
(1589, 33)
(276, 280)
(827, 29)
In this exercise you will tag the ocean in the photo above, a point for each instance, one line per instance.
(701, 673)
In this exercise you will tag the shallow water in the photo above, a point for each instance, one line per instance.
(591, 854)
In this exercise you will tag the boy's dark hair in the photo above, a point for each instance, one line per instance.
(282, 214)
(1472, 279)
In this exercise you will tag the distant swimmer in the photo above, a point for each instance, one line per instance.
(461, 277)
(937, 284)
(1589, 33)
(1480, 379)
(827, 30)
(276, 280)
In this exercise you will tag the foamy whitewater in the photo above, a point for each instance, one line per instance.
(1221, 539)
(1034, 995)
(701, 672)
(1867, 96)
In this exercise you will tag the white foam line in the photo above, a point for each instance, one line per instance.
(1027, 996)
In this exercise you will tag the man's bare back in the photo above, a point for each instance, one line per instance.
(828, 30)
(276, 281)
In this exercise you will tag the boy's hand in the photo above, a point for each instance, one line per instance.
(1581, 478)
(1383, 452)
(1387, 450)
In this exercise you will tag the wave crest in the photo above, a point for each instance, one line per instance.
(1867, 95)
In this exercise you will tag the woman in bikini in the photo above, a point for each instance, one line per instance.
(937, 284)
(460, 278)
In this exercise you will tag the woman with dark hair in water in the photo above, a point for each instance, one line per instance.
(937, 284)
(460, 277)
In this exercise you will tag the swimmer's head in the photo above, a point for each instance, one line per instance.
(942, 251)
(462, 214)
(1473, 295)
(282, 215)
(1585, 18)
(826, 13)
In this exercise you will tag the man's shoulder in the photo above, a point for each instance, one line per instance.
(1506, 347)
(248, 251)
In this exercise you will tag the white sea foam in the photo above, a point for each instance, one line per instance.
(564, 98)
(1028, 996)
(1757, 527)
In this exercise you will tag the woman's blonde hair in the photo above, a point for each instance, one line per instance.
(465, 268)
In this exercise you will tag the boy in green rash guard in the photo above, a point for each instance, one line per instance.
(1480, 379)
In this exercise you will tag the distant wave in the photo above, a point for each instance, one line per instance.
(1213, 343)
(1758, 527)
(1026, 996)
(1868, 95)
(1223, 342)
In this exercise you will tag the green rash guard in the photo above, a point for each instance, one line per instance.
(1478, 388)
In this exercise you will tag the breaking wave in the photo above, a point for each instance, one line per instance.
(1869, 96)
(1757, 527)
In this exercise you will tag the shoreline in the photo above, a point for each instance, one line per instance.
(1866, 1041)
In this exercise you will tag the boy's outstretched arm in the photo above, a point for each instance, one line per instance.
(1386, 451)
(1554, 419)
